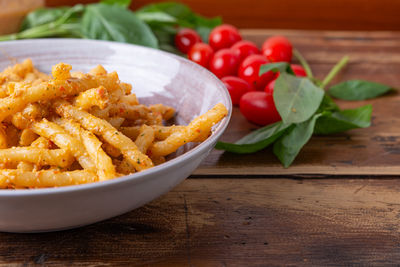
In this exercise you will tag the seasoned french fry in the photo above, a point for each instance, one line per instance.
(12, 134)
(202, 123)
(102, 127)
(26, 94)
(92, 97)
(165, 111)
(109, 133)
(32, 112)
(27, 137)
(110, 150)
(125, 167)
(160, 132)
(47, 178)
(3, 137)
(98, 70)
(42, 142)
(40, 156)
(130, 99)
(61, 71)
(158, 160)
(145, 138)
(116, 122)
(63, 140)
(105, 168)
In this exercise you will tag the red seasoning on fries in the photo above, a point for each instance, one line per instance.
(76, 128)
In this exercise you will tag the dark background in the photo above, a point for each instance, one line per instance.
(292, 14)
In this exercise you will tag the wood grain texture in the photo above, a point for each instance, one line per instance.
(292, 14)
(373, 151)
(234, 222)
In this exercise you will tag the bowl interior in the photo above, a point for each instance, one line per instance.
(156, 77)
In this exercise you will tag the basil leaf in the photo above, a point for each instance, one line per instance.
(42, 16)
(296, 99)
(115, 23)
(156, 17)
(256, 140)
(276, 67)
(358, 90)
(123, 3)
(185, 17)
(328, 104)
(176, 10)
(341, 121)
(57, 16)
(290, 144)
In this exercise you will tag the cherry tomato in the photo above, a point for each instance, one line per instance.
(259, 107)
(224, 36)
(277, 49)
(250, 68)
(225, 62)
(201, 54)
(298, 70)
(236, 87)
(269, 89)
(245, 48)
(185, 39)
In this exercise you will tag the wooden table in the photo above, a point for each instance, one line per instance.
(339, 204)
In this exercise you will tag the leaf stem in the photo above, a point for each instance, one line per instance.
(334, 71)
(304, 63)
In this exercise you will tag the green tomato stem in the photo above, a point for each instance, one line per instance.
(304, 63)
(334, 71)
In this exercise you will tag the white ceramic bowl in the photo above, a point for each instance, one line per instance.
(157, 77)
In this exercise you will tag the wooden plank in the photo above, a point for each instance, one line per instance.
(373, 151)
(292, 14)
(234, 222)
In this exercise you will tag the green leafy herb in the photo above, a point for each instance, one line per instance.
(296, 99)
(104, 22)
(42, 16)
(256, 140)
(358, 90)
(184, 17)
(289, 145)
(123, 3)
(341, 121)
(277, 67)
(305, 109)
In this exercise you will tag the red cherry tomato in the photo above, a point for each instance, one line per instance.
(250, 68)
(245, 48)
(201, 54)
(224, 36)
(259, 107)
(185, 39)
(269, 89)
(277, 49)
(298, 70)
(225, 62)
(236, 87)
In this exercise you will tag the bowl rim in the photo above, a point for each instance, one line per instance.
(199, 149)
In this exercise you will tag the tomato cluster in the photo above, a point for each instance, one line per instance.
(237, 63)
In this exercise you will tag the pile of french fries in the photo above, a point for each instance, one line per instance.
(75, 128)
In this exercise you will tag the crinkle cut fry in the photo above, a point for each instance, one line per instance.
(50, 90)
(46, 178)
(41, 156)
(109, 133)
(189, 133)
(63, 140)
(105, 168)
